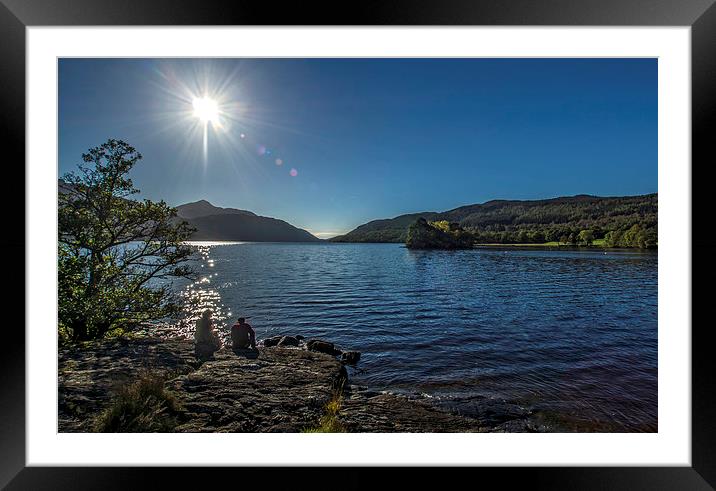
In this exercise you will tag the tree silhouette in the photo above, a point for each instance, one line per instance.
(116, 255)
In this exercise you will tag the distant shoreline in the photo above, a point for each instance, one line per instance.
(546, 245)
(564, 247)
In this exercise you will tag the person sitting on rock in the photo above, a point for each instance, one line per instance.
(205, 338)
(243, 335)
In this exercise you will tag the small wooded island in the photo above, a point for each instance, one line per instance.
(438, 235)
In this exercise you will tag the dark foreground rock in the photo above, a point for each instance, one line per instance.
(272, 389)
(90, 376)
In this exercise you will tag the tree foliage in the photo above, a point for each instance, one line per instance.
(437, 235)
(115, 254)
(586, 237)
(635, 236)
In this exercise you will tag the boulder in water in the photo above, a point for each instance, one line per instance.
(350, 357)
(272, 341)
(288, 341)
(321, 346)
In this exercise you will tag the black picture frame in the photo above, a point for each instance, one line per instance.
(16, 15)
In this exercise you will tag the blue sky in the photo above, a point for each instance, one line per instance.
(367, 138)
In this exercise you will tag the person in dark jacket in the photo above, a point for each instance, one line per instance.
(243, 335)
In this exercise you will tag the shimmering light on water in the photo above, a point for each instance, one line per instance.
(572, 334)
(199, 296)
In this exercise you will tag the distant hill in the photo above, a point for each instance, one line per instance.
(215, 223)
(528, 221)
(203, 208)
(384, 230)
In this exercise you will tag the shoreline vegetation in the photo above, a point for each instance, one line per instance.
(450, 235)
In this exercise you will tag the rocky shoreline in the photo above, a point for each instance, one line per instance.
(284, 386)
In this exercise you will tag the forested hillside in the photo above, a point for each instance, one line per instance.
(627, 221)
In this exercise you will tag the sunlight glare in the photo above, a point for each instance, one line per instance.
(206, 109)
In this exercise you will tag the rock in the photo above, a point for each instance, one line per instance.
(273, 341)
(246, 352)
(282, 390)
(204, 351)
(491, 412)
(264, 390)
(88, 377)
(371, 412)
(288, 341)
(323, 347)
(350, 357)
(515, 426)
(272, 390)
(299, 337)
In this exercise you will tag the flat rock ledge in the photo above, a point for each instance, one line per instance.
(274, 389)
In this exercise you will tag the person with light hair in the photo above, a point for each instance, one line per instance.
(205, 338)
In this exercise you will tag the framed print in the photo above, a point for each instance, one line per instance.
(425, 235)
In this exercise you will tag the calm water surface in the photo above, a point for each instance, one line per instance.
(570, 335)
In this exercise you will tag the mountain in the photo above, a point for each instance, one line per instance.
(215, 223)
(503, 220)
(385, 230)
(203, 208)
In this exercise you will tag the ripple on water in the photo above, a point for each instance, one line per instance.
(573, 334)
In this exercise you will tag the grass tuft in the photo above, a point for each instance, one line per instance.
(143, 406)
(330, 422)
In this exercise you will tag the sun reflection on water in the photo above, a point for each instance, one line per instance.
(200, 296)
(194, 299)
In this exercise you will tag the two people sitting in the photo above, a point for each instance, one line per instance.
(207, 340)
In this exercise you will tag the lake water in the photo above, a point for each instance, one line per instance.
(570, 336)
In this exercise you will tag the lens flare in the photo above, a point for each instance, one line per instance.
(207, 103)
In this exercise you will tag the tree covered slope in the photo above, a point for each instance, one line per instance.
(536, 221)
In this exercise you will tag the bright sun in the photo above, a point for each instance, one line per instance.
(206, 109)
